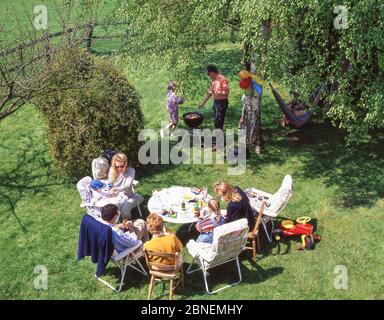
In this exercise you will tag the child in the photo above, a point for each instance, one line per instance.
(206, 223)
(173, 107)
(91, 191)
(161, 241)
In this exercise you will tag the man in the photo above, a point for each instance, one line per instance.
(219, 89)
(122, 240)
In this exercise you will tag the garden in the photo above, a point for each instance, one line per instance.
(92, 99)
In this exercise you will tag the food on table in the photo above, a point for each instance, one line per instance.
(202, 203)
(196, 190)
(196, 210)
(187, 197)
(172, 214)
(169, 212)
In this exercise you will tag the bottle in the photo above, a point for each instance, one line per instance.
(183, 205)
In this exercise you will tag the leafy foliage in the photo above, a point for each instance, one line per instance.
(301, 47)
(101, 112)
(296, 44)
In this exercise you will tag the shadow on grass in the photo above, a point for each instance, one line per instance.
(225, 274)
(133, 279)
(31, 172)
(356, 170)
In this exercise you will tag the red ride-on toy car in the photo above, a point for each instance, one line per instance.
(302, 228)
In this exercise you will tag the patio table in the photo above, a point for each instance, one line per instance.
(171, 199)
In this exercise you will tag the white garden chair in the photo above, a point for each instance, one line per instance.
(127, 258)
(228, 242)
(275, 203)
(100, 168)
(95, 233)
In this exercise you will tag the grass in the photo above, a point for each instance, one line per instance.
(340, 186)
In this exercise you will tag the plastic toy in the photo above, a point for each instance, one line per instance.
(302, 228)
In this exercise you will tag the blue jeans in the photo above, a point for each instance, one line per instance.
(205, 237)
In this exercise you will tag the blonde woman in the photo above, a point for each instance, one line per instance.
(238, 205)
(122, 176)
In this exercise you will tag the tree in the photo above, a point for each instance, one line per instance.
(309, 42)
(28, 41)
(101, 111)
(299, 44)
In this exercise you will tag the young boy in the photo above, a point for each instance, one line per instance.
(161, 241)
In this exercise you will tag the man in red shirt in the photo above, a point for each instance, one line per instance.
(219, 89)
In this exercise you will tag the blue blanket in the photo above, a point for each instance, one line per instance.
(95, 240)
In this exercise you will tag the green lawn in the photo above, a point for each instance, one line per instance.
(340, 187)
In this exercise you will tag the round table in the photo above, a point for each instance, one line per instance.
(171, 199)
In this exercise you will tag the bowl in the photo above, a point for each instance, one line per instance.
(193, 119)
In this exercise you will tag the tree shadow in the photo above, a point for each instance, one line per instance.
(31, 172)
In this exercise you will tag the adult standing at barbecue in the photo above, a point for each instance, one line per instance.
(219, 89)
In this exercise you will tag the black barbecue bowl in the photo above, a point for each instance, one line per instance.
(193, 123)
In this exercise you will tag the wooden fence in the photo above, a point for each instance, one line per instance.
(88, 39)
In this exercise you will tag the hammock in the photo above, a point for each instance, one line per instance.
(297, 120)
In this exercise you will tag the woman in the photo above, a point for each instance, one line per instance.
(238, 203)
(251, 115)
(122, 176)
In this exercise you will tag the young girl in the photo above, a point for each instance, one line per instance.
(173, 107)
(207, 223)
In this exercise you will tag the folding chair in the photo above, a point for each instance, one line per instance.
(165, 272)
(95, 240)
(228, 242)
(275, 203)
(127, 258)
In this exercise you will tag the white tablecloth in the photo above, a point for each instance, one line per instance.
(171, 199)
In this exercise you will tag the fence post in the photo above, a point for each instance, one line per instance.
(89, 36)
(21, 56)
(47, 46)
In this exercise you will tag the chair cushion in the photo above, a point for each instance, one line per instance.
(280, 198)
(202, 249)
(223, 237)
(229, 227)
